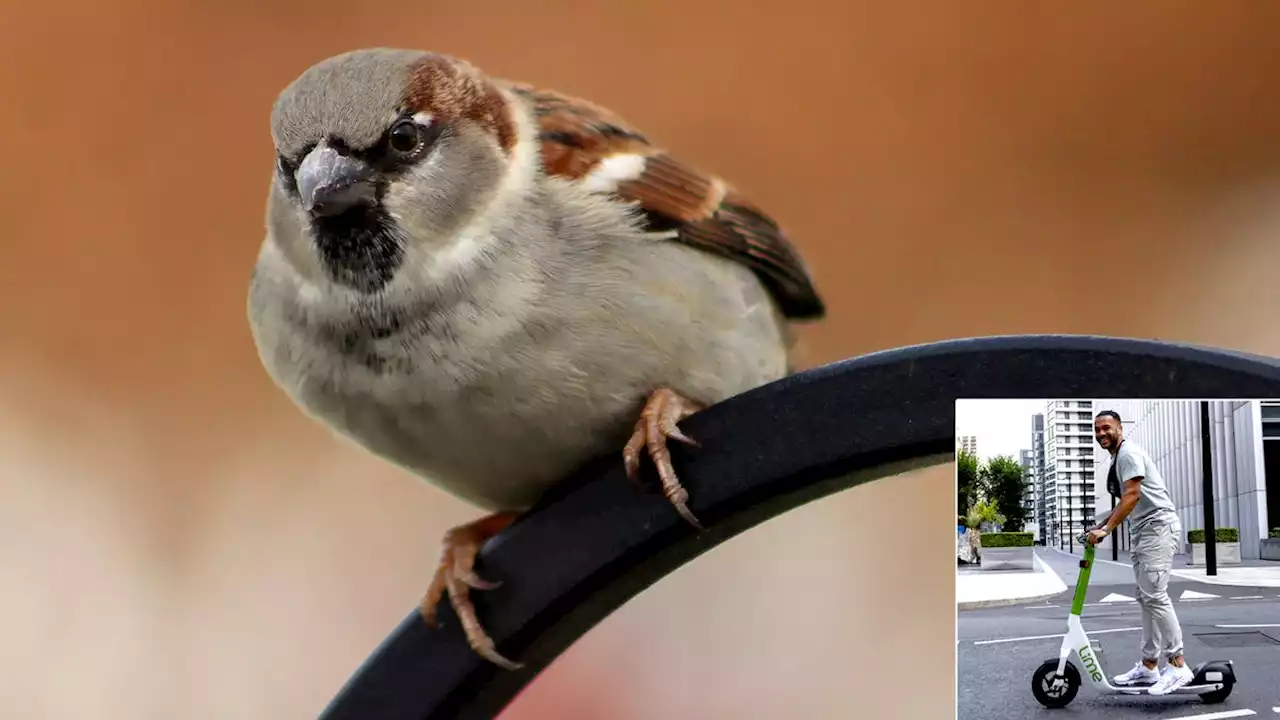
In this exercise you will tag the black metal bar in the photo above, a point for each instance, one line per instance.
(1206, 472)
(1115, 536)
(597, 542)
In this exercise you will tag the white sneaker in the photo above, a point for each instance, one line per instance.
(1171, 679)
(1139, 674)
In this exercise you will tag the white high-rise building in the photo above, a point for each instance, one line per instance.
(1027, 459)
(967, 443)
(1046, 502)
(1069, 467)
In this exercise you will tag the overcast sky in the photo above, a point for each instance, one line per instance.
(1003, 427)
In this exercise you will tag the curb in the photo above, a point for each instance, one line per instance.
(1000, 602)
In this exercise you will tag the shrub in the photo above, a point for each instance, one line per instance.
(1007, 539)
(983, 511)
(1222, 535)
(1275, 533)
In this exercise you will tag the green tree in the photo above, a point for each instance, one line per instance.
(1004, 484)
(966, 481)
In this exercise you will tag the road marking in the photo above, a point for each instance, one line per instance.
(1250, 626)
(1217, 715)
(1050, 637)
(1113, 598)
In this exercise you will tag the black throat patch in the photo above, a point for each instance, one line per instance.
(361, 248)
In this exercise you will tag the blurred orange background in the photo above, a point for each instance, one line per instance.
(177, 541)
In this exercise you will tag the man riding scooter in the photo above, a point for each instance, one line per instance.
(1154, 534)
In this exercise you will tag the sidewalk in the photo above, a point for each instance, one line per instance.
(989, 588)
(1235, 575)
(1250, 573)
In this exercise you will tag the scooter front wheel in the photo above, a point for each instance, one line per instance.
(1053, 691)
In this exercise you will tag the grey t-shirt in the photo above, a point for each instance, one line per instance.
(1153, 501)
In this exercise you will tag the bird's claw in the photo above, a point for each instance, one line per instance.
(657, 423)
(455, 576)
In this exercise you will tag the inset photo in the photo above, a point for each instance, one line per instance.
(1118, 556)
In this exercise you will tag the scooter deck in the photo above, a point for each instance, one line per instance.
(1143, 687)
(1200, 683)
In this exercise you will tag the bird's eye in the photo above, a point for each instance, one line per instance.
(405, 136)
(283, 165)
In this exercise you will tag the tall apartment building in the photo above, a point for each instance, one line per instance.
(1069, 466)
(1244, 443)
(1026, 458)
(967, 443)
(1046, 502)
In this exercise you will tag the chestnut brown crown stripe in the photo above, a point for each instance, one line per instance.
(448, 88)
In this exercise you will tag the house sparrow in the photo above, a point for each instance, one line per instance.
(489, 284)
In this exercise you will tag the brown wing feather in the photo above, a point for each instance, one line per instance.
(701, 208)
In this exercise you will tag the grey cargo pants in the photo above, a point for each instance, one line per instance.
(1154, 545)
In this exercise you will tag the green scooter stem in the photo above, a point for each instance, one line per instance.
(1082, 585)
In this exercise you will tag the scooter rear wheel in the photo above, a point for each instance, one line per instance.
(1217, 696)
(1051, 691)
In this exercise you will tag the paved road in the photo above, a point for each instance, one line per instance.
(999, 648)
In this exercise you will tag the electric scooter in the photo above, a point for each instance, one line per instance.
(1056, 682)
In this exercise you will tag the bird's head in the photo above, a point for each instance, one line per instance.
(383, 158)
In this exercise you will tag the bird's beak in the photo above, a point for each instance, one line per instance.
(331, 183)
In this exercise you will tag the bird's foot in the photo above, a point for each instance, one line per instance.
(657, 423)
(456, 576)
